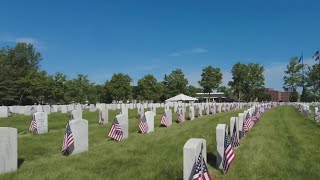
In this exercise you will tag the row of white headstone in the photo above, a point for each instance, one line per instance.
(6, 111)
(305, 108)
(192, 148)
(79, 128)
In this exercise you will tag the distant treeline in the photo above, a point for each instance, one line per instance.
(23, 82)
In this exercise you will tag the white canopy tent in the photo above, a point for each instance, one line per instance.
(181, 97)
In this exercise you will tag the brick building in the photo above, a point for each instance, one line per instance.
(278, 95)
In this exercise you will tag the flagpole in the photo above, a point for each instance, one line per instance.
(319, 58)
(303, 90)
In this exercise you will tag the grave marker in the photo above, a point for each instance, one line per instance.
(191, 113)
(150, 120)
(8, 149)
(79, 128)
(220, 135)
(41, 119)
(4, 111)
(191, 151)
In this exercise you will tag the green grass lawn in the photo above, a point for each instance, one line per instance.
(283, 145)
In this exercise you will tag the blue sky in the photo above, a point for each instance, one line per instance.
(99, 38)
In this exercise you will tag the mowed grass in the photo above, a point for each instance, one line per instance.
(283, 145)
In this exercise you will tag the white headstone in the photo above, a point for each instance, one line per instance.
(79, 128)
(78, 107)
(218, 107)
(77, 114)
(92, 108)
(191, 151)
(39, 108)
(150, 120)
(240, 119)
(42, 122)
(207, 108)
(103, 113)
(191, 113)
(27, 110)
(124, 110)
(4, 111)
(234, 120)
(54, 108)
(123, 121)
(199, 111)
(220, 134)
(63, 108)
(47, 109)
(69, 107)
(8, 149)
(169, 116)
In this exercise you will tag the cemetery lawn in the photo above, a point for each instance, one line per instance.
(283, 145)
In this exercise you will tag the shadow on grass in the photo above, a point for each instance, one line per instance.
(212, 159)
(20, 162)
(314, 122)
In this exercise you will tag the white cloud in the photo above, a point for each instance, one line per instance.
(199, 50)
(27, 40)
(10, 39)
(175, 54)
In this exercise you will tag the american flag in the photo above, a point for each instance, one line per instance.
(228, 154)
(317, 116)
(71, 117)
(164, 120)
(234, 138)
(143, 125)
(248, 123)
(68, 142)
(242, 133)
(33, 126)
(201, 173)
(101, 119)
(116, 131)
(181, 116)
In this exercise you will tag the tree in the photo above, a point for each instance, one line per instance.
(255, 82)
(294, 96)
(59, 88)
(175, 83)
(119, 87)
(18, 66)
(80, 90)
(293, 77)
(192, 91)
(149, 89)
(211, 78)
(240, 74)
(313, 80)
(227, 91)
(248, 79)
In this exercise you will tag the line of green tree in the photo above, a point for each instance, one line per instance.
(303, 76)
(23, 82)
